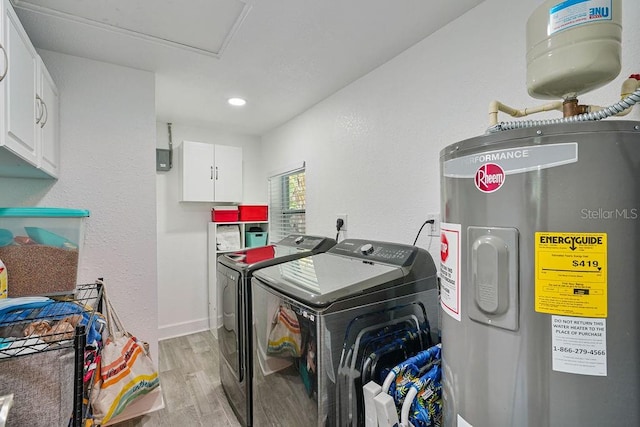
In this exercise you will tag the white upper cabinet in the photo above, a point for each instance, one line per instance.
(227, 174)
(29, 143)
(211, 173)
(48, 125)
(197, 172)
(20, 89)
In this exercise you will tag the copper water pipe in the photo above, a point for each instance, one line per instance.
(571, 108)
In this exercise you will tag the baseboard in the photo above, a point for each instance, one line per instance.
(181, 329)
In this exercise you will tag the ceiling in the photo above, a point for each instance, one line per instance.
(283, 56)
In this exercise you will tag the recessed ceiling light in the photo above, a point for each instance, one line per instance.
(237, 102)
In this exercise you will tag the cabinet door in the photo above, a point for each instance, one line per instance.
(197, 172)
(228, 173)
(49, 139)
(21, 110)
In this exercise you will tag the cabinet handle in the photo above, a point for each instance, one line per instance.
(211, 172)
(6, 63)
(45, 113)
(216, 173)
(39, 107)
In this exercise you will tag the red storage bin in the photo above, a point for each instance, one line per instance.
(253, 212)
(259, 254)
(224, 215)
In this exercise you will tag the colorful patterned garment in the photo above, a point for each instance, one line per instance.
(409, 371)
(426, 408)
(352, 369)
(285, 334)
(403, 343)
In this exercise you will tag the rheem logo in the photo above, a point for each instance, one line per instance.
(489, 177)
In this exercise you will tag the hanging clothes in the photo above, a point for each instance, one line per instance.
(285, 337)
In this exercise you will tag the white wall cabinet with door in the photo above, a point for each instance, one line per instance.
(19, 86)
(48, 121)
(23, 110)
(211, 173)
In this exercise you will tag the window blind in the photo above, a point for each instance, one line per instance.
(287, 204)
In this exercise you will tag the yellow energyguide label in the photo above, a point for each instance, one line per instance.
(571, 274)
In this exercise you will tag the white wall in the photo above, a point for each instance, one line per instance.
(107, 133)
(182, 230)
(372, 149)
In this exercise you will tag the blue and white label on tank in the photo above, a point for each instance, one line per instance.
(513, 160)
(571, 13)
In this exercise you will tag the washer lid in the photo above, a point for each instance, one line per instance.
(322, 279)
(261, 256)
(291, 247)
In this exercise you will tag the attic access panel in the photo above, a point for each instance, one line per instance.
(206, 26)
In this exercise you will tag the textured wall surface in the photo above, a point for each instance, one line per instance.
(372, 149)
(182, 230)
(107, 134)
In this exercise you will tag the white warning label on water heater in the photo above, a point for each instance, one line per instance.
(570, 13)
(579, 345)
(462, 422)
(450, 251)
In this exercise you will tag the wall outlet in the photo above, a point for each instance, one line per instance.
(434, 229)
(343, 217)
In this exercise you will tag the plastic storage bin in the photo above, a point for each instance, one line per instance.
(40, 248)
(224, 214)
(261, 253)
(255, 238)
(253, 212)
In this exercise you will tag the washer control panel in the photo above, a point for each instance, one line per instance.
(302, 241)
(373, 251)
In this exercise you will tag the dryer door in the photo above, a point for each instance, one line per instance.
(230, 329)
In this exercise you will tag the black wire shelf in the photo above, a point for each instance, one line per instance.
(50, 324)
(43, 324)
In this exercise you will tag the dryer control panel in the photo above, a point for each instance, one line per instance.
(310, 243)
(373, 251)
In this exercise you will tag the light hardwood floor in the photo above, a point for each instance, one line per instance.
(190, 382)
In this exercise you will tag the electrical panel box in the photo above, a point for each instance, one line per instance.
(163, 159)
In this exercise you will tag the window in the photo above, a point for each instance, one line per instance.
(287, 203)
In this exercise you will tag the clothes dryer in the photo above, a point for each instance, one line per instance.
(233, 281)
(325, 324)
